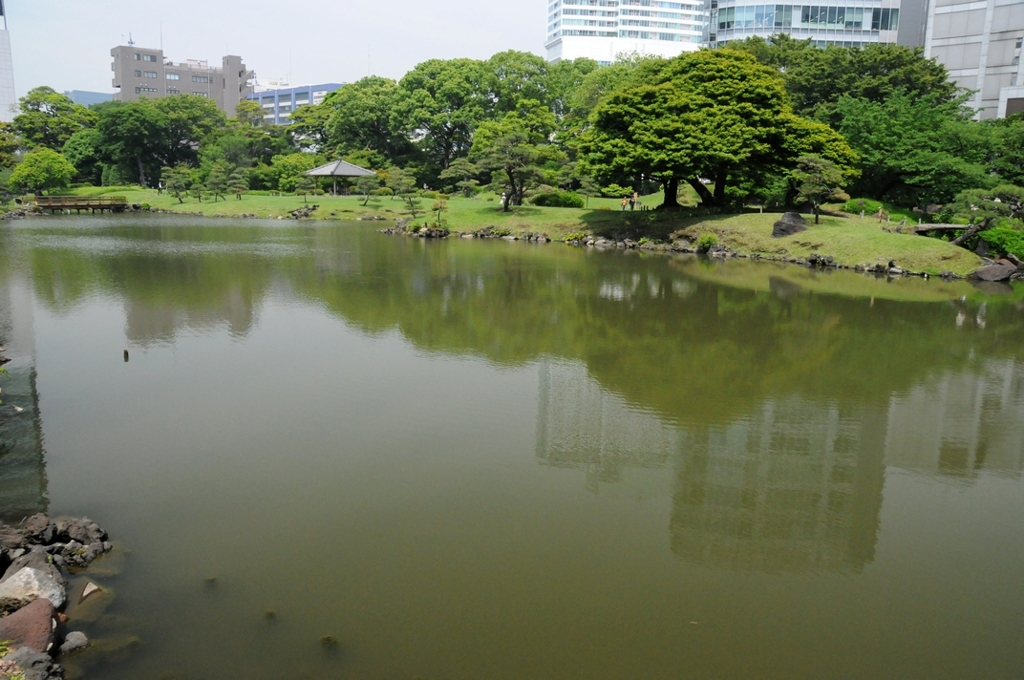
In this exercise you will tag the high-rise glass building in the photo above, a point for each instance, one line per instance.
(8, 102)
(603, 29)
(849, 23)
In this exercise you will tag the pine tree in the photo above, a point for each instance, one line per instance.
(238, 182)
(217, 182)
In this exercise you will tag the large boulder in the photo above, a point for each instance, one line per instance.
(33, 626)
(994, 272)
(83, 530)
(10, 538)
(29, 585)
(791, 223)
(34, 665)
(38, 559)
(39, 529)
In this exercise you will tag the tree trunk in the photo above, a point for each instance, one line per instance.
(720, 181)
(671, 187)
(705, 196)
(971, 231)
(816, 220)
(142, 171)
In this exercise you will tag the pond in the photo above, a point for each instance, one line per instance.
(338, 454)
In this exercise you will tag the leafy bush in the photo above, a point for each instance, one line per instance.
(615, 191)
(575, 236)
(383, 191)
(705, 241)
(429, 194)
(559, 199)
(1006, 240)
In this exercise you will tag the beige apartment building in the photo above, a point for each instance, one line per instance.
(141, 72)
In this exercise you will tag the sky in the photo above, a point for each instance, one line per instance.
(66, 43)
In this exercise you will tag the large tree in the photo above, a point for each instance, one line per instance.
(48, 118)
(362, 119)
(703, 115)
(817, 78)
(517, 76)
(914, 150)
(440, 103)
(133, 134)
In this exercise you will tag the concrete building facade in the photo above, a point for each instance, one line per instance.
(278, 104)
(141, 72)
(979, 43)
(603, 29)
(8, 100)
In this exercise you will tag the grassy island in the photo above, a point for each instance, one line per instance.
(851, 240)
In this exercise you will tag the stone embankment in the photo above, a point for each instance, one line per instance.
(36, 556)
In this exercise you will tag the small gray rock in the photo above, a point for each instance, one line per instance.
(790, 223)
(73, 642)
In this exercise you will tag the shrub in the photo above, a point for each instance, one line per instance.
(428, 194)
(705, 241)
(383, 191)
(146, 206)
(1005, 239)
(575, 236)
(559, 199)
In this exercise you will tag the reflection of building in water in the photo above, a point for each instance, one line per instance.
(146, 323)
(796, 486)
(22, 462)
(580, 424)
(959, 423)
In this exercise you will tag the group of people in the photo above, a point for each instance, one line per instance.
(632, 201)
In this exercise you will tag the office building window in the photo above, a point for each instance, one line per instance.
(144, 89)
(171, 90)
(149, 57)
(150, 74)
(138, 56)
(200, 79)
(200, 94)
(138, 73)
(172, 76)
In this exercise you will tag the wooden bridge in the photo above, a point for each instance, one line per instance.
(79, 203)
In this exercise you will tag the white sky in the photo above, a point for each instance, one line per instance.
(66, 43)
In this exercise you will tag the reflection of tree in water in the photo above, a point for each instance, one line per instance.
(22, 459)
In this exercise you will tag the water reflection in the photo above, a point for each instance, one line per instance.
(727, 427)
(22, 459)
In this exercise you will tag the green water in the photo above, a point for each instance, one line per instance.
(478, 460)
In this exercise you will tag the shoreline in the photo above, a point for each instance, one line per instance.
(847, 242)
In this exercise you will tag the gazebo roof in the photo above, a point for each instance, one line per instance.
(340, 168)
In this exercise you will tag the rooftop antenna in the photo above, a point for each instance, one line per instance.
(161, 36)
(130, 41)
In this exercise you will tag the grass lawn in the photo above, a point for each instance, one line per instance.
(850, 241)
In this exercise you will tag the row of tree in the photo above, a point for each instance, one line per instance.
(760, 120)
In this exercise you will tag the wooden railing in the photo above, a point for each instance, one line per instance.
(80, 203)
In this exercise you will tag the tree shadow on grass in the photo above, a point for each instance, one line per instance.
(652, 224)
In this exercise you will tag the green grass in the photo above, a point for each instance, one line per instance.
(850, 241)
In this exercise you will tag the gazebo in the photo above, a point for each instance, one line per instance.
(339, 168)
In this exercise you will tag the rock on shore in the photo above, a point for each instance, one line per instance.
(34, 588)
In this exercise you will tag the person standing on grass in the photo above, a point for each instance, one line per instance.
(636, 199)
(632, 203)
(624, 202)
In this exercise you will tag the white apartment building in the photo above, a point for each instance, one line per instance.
(979, 43)
(602, 29)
